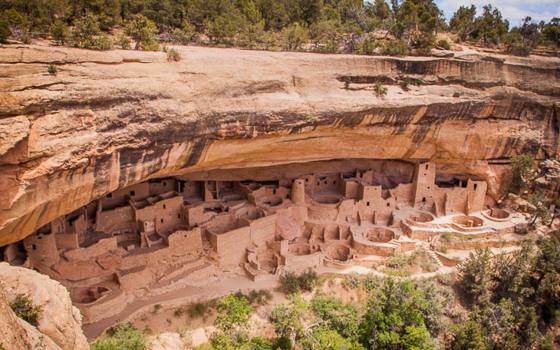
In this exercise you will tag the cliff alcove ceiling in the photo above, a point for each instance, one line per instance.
(111, 119)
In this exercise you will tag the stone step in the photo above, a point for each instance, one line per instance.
(435, 256)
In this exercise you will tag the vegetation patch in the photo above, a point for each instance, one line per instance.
(23, 308)
(292, 283)
(122, 336)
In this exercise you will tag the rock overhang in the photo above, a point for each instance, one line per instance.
(95, 127)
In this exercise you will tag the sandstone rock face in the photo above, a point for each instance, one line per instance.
(108, 120)
(59, 325)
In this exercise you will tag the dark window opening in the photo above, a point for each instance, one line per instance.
(306, 180)
(178, 216)
(388, 204)
(273, 191)
(424, 199)
(133, 193)
(426, 166)
(39, 237)
(110, 195)
(164, 206)
(325, 182)
(288, 196)
(428, 187)
(334, 182)
(164, 184)
(475, 185)
(162, 221)
(318, 183)
(368, 204)
(34, 247)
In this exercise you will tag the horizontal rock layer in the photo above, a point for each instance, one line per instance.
(107, 120)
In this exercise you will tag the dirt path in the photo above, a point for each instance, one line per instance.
(234, 284)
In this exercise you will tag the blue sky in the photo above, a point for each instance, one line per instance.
(512, 10)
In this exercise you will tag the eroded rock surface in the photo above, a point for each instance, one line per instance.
(59, 324)
(108, 120)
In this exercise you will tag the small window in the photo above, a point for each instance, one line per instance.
(70, 222)
(368, 204)
(162, 221)
(424, 199)
(133, 193)
(288, 196)
(388, 204)
(306, 180)
(273, 191)
(39, 237)
(164, 207)
(475, 186)
(34, 247)
(178, 216)
(334, 182)
(325, 182)
(318, 183)
(145, 224)
(428, 187)
(110, 195)
(164, 184)
(426, 166)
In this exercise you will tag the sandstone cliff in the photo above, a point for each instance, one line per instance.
(110, 119)
(59, 324)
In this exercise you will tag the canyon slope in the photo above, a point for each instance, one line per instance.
(107, 120)
(58, 324)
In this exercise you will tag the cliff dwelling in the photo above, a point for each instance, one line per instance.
(167, 233)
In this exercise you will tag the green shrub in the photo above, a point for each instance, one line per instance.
(445, 279)
(24, 309)
(442, 249)
(397, 260)
(308, 279)
(371, 282)
(121, 337)
(447, 237)
(395, 48)
(380, 89)
(5, 31)
(173, 55)
(523, 170)
(261, 297)
(198, 309)
(291, 283)
(52, 68)
(59, 31)
(26, 38)
(149, 45)
(407, 81)
(178, 312)
(123, 42)
(102, 43)
(352, 281)
(157, 307)
(444, 44)
(183, 36)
